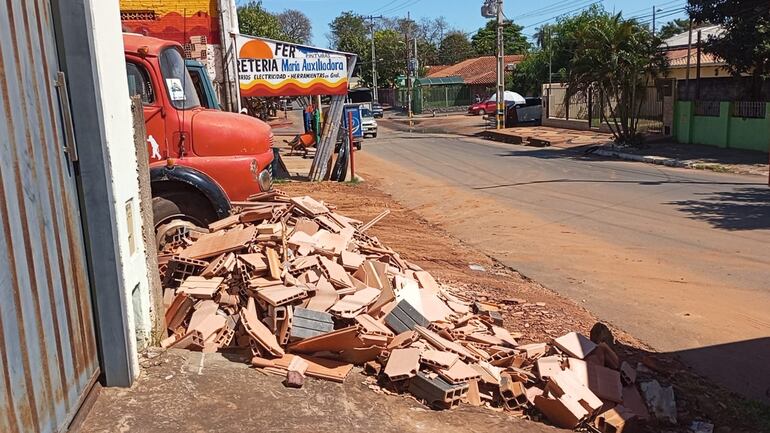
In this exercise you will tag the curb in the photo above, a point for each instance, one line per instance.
(658, 160)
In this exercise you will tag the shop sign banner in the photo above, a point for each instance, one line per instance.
(273, 68)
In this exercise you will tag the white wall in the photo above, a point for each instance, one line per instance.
(116, 111)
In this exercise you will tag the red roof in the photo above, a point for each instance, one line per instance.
(678, 57)
(479, 70)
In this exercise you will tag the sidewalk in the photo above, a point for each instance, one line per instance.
(668, 153)
(692, 156)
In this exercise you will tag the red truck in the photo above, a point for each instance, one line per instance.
(200, 159)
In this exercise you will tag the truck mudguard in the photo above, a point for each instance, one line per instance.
(199, 181)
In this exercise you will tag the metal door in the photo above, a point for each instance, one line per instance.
(48, 355)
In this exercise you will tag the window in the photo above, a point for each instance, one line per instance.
(179, 85)
(139, 83)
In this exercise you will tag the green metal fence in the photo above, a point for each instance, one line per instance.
(442, 97)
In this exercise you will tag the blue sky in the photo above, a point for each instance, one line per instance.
(465, 14)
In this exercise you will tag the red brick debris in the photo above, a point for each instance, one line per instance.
(310, 294)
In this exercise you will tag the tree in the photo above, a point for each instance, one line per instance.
(617, 59)
(530, 74)
(674, 27)
(391, 60)
(254, 20)
(485, 39)
(454, 48)
(296, 26)
(349, 33)
(745, 43)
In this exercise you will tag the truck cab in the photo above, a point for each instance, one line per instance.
(200, 159)
(202, 83)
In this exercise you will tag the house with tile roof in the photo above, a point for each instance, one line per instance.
(479, 73)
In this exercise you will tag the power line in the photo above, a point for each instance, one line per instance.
(383, 7)
(547, 9)
(407, 4)
(563, 14)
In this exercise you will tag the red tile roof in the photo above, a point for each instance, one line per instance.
(479, 70)
(437, 68)
(678, 58)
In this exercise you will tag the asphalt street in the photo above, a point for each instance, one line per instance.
(679, 258)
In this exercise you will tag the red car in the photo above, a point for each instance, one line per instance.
(482, 108)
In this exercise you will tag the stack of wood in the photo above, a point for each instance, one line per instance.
(309, 293)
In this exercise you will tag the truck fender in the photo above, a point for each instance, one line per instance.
(197, 180)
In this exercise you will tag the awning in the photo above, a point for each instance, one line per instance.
(439, 81)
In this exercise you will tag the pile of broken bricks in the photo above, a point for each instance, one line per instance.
(310, 294)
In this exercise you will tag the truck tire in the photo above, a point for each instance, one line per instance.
(184, 206)
(176, 216)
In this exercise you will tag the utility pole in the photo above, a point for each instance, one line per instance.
(500, 67)
(653, 20)
(408, 70)
(687, 72)
(494, 9)
(416, 61)
(550, 72)
(375, 92)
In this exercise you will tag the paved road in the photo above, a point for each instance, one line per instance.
(679, 258)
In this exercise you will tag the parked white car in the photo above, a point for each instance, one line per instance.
(368, 123)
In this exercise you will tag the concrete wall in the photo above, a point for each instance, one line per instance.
(725, 130)
(118, 141)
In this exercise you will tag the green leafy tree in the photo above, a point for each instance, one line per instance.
(485, 40)
(745, 43)
(254, 20)
(454, 48)
(674, 27)
(391, 58)
(530, 74)
(296, 26)
(349, 32)
(618, 59)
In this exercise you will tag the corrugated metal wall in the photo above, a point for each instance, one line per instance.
(47, 346)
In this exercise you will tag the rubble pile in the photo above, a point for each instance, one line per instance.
(310, 293)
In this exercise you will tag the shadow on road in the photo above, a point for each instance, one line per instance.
(634, 182)
(745, 208)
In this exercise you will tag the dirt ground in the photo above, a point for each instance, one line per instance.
(188, 392)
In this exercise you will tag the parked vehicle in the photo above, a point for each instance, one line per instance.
(490, 105)
(377, 110)
(361, 96)
(202, 84)
(530, 112)
(200, 159)
(368, 123)
(482, 108)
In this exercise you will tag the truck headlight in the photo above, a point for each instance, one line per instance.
(265, 180)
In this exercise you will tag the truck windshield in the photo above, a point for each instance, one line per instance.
(178, 83)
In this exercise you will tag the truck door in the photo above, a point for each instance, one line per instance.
(139, 83)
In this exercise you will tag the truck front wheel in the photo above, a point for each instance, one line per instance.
(176, 215)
